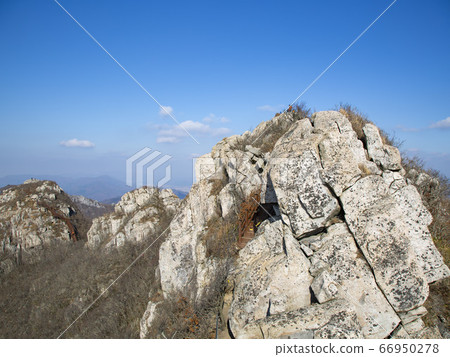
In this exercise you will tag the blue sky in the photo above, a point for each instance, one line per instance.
(222, 67)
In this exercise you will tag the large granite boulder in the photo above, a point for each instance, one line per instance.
(343, 250)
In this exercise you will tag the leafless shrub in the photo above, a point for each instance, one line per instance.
(182, 318)
(357, 119)
(40, 300)
(220, 238)
(301, 111)
(218, 185)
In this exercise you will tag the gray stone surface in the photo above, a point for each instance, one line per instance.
(381, 231)
(136, 216)
(348, 226)
(271, 277)
(386, 156)
(351, 275)
(334, 319)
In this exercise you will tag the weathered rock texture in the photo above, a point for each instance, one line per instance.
(34, 214)
(344, 253)
(137, 215)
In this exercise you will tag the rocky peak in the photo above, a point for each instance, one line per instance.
(34, 214)
(341, 244)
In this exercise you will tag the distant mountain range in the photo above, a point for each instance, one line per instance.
(104, 189)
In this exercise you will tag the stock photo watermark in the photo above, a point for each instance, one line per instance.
(141, 168)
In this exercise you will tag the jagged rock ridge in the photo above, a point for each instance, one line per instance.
(138, 214)
(344, 253)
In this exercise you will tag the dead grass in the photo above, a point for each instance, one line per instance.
(268, 143)
(220, 238)
(358, 119)
(40, 300)
(218, 185)
(364, 170)
(182, 318)
(301, 111)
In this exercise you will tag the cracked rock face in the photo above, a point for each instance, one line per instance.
(334, 319)
(184, 267)
(351, 275)
(386, 156)
(380, 229)
(271, 271)
(305, 201)
(346, 252)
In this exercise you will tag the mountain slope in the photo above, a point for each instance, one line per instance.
(99, 188)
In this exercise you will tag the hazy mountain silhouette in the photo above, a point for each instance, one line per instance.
(104, 188)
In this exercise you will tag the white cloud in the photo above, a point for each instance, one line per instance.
(175, 133)
(270, 108)
(442, 124)
(167, 139)
(211, 118)
(165, 111)
(72, 143)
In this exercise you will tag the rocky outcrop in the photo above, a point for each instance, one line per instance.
(341, 271)
(271, 276)
(385, 156)
(138, 215)
(34, 214)
(380, 230)
(91, 208)
(184, 267)
(342, 249)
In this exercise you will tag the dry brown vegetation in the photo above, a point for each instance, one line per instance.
(40, 300)
(267, 141)
(358, 119)
(182, 318)
(218, 184)
(301, 111)
(221, 236)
